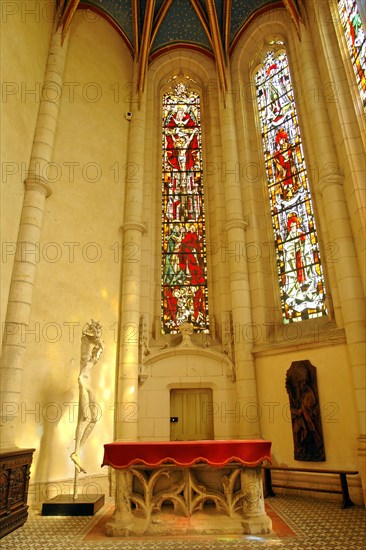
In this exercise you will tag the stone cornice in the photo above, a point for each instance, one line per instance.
(337, 337)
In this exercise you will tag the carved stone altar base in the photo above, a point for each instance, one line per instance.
(172, 500)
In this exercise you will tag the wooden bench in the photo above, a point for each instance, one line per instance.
(268, 486)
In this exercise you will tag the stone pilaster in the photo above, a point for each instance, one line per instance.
(236, 261)
(22, 282)
(255, 517)
(122, 521)
(126, 412)
(349, 115)
(331, 188)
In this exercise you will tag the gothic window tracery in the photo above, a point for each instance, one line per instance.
(184, 279)
(300, 274)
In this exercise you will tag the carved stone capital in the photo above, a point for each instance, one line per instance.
(236, 224)
(134, 226)
(330, 181)
(38, 183)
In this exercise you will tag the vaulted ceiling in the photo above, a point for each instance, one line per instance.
(180, 21)
(150, 27)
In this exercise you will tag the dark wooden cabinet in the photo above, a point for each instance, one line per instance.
(14, 481)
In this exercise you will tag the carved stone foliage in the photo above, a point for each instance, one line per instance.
(205, 499)
(302, 388)
(151, 489)
(185, 347)
(190, 489)
(253, 502)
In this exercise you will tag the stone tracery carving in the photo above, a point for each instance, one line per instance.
(185, 346)
(188, 492)
(151, 498)
(235, 491)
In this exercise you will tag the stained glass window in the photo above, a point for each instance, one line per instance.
(297, 250)
(356, 41)
(184, 279)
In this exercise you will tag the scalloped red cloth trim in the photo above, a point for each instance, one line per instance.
(249, 452)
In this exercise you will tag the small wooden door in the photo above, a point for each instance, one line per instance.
(191, 414)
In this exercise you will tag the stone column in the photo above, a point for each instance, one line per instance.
(126, 412)
(255, 518)
(351, 119)
(337, 220)
(25, 262)
(235, 258)
(215, 210)
(122, 522)
(351, 299)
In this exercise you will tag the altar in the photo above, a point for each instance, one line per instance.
(193, 487)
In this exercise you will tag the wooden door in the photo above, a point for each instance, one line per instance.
(191, 414)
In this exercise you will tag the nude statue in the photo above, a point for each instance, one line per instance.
(91, 349)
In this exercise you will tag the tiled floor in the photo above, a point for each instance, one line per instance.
(298, 523)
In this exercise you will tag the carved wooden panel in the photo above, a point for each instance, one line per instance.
(302, 389)
(14, 482)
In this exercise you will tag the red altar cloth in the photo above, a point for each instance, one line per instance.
(186, 453)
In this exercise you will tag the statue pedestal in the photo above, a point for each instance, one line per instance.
(66, 505)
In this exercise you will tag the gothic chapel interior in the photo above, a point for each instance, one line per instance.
(189, 174)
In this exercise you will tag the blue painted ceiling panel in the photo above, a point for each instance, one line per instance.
(181, 23)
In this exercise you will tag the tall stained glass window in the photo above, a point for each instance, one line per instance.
(297, 251)
(184, 280)
(356, 41)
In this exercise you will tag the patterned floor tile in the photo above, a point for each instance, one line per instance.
(312, 524)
